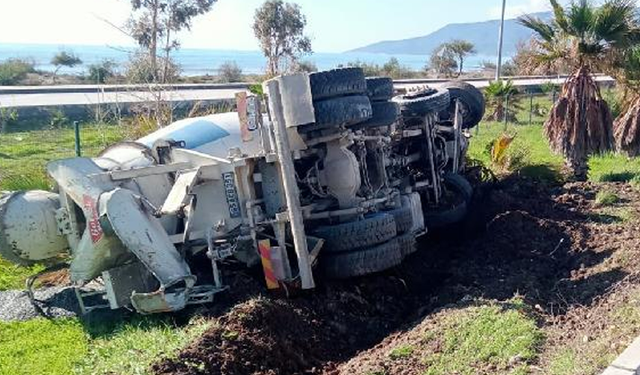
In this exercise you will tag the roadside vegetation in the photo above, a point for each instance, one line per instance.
(124, 346)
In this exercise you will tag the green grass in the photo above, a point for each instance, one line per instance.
(542, 163)
(69, 346)
(23, 159)
(13, 277)
(24, 155)
(40, 347)
(502, 336)
(606, 198)
(400, 352)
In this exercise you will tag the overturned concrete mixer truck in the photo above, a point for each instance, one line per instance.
(324, 174)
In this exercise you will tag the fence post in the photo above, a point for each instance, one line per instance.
(506, 112)
(530, 107)
(76, 129)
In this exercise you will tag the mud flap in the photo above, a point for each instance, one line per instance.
(144, 236)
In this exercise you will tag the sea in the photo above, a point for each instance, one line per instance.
(195, 62)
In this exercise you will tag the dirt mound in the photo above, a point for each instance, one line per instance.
(553, 246)
(260, 336)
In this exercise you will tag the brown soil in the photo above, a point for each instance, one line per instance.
(571, 260)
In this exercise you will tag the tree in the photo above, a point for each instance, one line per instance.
(230, 72)
(460, 49)
(627, 126)
(584, 36)
(530, 60)
(66, 59)
(279, 27)
(156, 20)
(442, 61)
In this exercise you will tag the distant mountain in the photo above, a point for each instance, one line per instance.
(484, 35)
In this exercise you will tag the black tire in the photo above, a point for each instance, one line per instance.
(370, 231)
(471, 100)
(362, 262)
(408, 244)
(423, 102)
(332, 113)
(337, 82)
(460, 184)
(457, 197)
(379, 89)
(404, 219)
(384, 114)
(445, 216)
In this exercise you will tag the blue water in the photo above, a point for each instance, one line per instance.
(202, 61)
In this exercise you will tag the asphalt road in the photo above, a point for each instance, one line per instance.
(17, 97)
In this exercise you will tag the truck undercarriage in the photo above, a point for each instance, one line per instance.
(337, 177)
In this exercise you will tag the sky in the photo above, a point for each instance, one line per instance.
(333, 25)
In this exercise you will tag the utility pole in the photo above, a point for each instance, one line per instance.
(500, 41)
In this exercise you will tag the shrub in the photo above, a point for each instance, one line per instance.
(12, 71)
(614, 98)
(230, 72)
(370, 70)
(606, 198)
(139, 69)
(8, 118)
(306, 67)
(101, 72)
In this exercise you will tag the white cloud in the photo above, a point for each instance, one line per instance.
(519, 7)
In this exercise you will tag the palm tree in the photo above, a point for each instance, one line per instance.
(498, 94)
(626, 128)
(586, 37)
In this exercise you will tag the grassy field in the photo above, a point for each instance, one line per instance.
(23, 159)
(535, 158)
(128, 346)
(73, 346)
(24, 155)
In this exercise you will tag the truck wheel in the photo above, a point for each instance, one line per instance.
(455, 205)
(471, 101)
(337, 82)
(370, 231)
(446, 215)
(403, 217)
(408, 244)
(460, 184)
(362, 262)
(384, 114)
(423, 102)
(330, 113)
(379, 89)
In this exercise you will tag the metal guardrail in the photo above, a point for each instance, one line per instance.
(62, 89)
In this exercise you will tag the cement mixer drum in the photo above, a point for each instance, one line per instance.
(28, 228)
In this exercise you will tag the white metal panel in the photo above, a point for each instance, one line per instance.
(179, 194)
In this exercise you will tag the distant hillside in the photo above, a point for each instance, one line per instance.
(483, 34)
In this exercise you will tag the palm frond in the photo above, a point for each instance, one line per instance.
(543, 29)
(559, 15)
(580, 19)
(615, 22)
